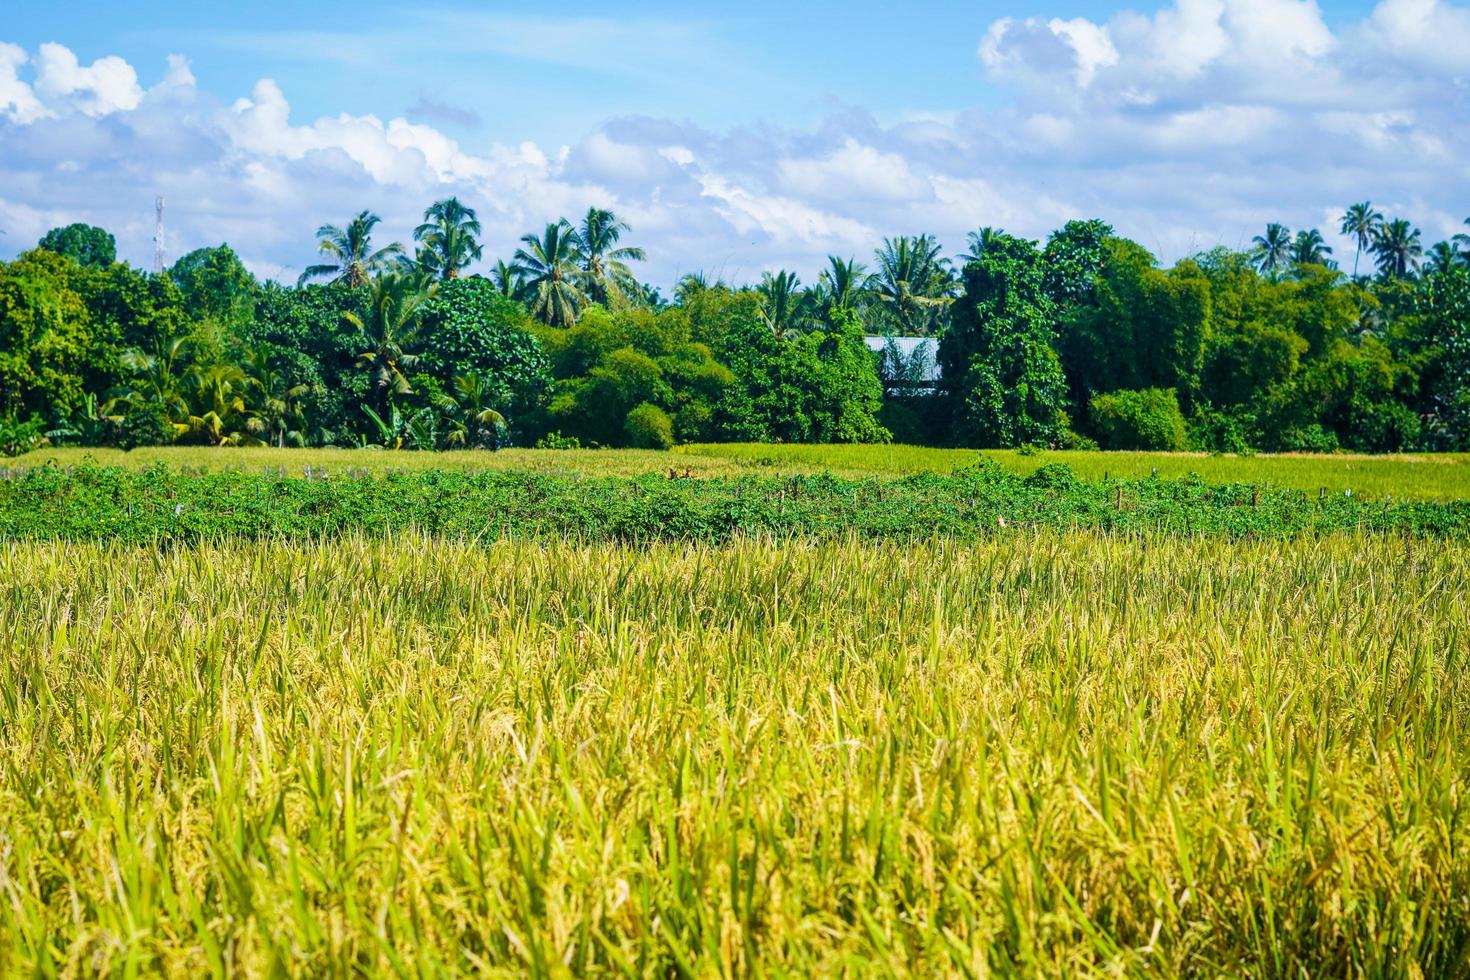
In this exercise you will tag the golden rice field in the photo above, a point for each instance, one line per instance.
(1042, 754)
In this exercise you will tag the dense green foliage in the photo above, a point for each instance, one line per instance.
(1270, 350)
(162, 504)
(87, 245)
(1147, 419)
(1056, 755)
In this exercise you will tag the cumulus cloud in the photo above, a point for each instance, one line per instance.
(1187, 127)
(108, 85)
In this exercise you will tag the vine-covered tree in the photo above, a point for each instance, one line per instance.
(1000, 367)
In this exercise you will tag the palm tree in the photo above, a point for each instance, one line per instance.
(470, 412)
(780, 296)
(508, 280)
(1272, 251)
(351, 259)
(1443, 257)
(979, 242)
(548, 266)
(389, 331)
(449, 237)
(606, 278)
(1462, 240)
(218, 410)
(912, 281)
(1398, 249)
(691, 284)
(1361, 223)
(159, 377)
(277, 401)
(844, 283)
(1309, 248)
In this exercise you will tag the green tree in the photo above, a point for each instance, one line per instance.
(1272, 250)
(844, 284)
(781, 301)
(218, 412)
(1361, 223)
(278, 400)
(474, 421)
(158, 386)
(469, 329)
(351, 259)
(820, 386)
(913, 283)
(1142, 328)
(52, 350)
(215, 285)
(606, 277)
(89, 246)
(389, 334)
(1443, 256)
(1398, 249)
(1074, 257)
(1309, 248)
(979, 241)
(509, 280)
(649, 427)
(548, 268)
(313, 343)
(1246, 361)
(1000, 370)
(449, 239)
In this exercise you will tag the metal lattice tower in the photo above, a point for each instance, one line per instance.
(158, 238)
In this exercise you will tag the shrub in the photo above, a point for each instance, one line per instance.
(1309, 439)
(1053, 476)
(905, 424)
(1146, 419)
(17, 437)
(1386, 427)
(1218, 432)
(145, 425)
(649, 427)
(1077, 441)
(555, 440)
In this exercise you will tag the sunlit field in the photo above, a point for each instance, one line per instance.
(1424, 476)
(1054, 754)
(1428, 476)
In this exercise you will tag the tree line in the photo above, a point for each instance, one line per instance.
(1084, 340)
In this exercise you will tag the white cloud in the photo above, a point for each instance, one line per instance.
(852, 172)
(1423, 31)
(17, 100)
(109, 85)
(1185, 128)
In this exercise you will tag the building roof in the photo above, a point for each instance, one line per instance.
(926, 348)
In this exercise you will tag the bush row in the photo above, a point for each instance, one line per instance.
(163, 504)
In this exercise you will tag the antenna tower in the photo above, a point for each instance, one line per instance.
(158, 238)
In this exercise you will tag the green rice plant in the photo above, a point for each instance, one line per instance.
(1423, 476)
(1047, 753)
(158, 504)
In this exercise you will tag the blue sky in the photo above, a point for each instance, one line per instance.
(718, 64)
(736, 137)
